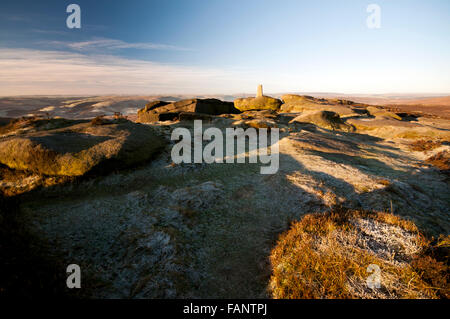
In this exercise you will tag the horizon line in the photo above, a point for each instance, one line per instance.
(422, 94)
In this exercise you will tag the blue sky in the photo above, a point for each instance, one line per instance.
(224, 47)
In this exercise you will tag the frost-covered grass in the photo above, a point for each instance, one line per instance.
(330, 255)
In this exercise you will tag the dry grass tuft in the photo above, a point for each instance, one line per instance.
(327, 256)
(444, 241)
(424, 145)
(15, 182)
(384, 182)
(440, 160)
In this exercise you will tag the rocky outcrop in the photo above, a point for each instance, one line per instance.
(294, 98)
(152, 105)
(157, 117)
(301, 103)
(381, 113)
(153, 112)
(391, 128)
(324, 119)
(257, 103)
(80, 148)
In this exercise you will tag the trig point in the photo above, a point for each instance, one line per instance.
(260, 91)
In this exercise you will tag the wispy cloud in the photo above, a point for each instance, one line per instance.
(30, 72)
(15, 17)
(51, 32)
(113, 44)
(26, 71)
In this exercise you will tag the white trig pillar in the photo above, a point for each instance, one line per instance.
(260, 91)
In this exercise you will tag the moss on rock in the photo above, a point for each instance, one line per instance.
(80, 148)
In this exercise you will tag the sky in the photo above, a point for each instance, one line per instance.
(224, 47)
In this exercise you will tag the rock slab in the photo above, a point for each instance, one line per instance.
(81, 148)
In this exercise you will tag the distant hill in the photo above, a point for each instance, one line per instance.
(92, 106)
(437, 106)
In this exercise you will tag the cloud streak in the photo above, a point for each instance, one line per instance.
(44, 72)
(26, 71)
(113, 44)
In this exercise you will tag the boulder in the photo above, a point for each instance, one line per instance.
(204, 106)
(153, 105)
(298, 99)
(257, 103)
(324, 119)
(390, 128)
(145, 115)
(381, 113)
(342, 102)
(80, 148)
(301, 103)
(157, 117)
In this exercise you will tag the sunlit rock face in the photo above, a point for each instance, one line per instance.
(257, 103)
